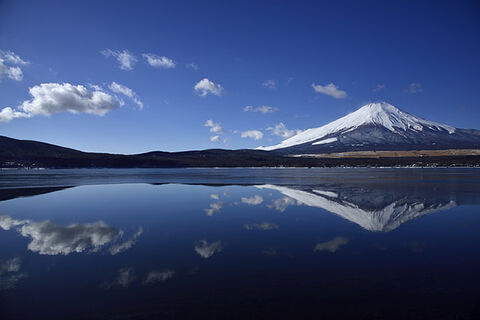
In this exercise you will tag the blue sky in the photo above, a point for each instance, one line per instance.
(259, 56)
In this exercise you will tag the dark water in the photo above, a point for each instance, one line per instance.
(240, 244)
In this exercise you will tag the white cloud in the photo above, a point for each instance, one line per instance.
(331, 245)
(12, 58)
(254, 134)
(159, 62)
(330, 90)
(261, 226)
(272, 84)
(158, 276)
(206, 250)
(121, 247)
(214, 207)
(214, 127)
(415, 88)
(215, 138)
(253, 201)
(118, 88)
(262, 109)
(205, 86)
(124, 58)
(215, 196)
(11, 265)
(192, 66)
(48, 238)
(283, 203)
(50, 98)
(282, 131)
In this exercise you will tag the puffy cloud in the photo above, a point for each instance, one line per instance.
(262, 109)
(331, 245)
(118, 88)
(214, 207)
(48, 238)
(272, 84)
(283, 203)
(159, 62)
(415, 88)
(215, 196)
(282, 131)
(158, 276)
(124, 278)
(330, 90)
(205, 86)
(261, 226)
(50, 98)
(253, 201)
(254, 134)
(214, 127)
(124, 58)
(206, 250)
(121, 247)
(51, 239)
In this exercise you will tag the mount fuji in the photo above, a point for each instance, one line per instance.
(378, 126)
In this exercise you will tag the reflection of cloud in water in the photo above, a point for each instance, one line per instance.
(261, 226)
(118, 248)
(124, 278)
(9, 276)
(158, 276)
(331, 245)
(283, 203)
(206, 250)
(214, 207)
(215, 196)
(52, 239)
(253, 201)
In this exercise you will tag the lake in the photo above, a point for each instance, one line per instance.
(240, 244)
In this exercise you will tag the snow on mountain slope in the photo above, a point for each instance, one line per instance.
(381, 114)
(386, 218)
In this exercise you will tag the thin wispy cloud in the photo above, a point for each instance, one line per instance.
(205, 87)
(155, 276)
(379, 87)
(124, 246)
(125, 59)
(192, 66)
(264, 226)
(253, 134)
(281, 130)
(331, 245)
(125, 278)
(126, 91)
(263, 109)
(330, 90)
(9, 65)
(415, 88)
(271, 84)
(51, 98)
(159, 61)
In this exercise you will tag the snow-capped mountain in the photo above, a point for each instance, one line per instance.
(379, 126)
(385, 215)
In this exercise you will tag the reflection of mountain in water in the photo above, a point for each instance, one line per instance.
(370, 209)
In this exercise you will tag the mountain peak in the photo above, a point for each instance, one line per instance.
(378, 113)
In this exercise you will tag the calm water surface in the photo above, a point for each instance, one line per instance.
(240, 244)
